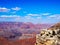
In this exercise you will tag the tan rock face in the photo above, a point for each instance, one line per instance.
(50, 36)
(47, 37)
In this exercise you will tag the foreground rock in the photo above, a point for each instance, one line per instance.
(49, 36)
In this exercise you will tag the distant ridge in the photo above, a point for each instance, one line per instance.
(55, 26)
(23, 27)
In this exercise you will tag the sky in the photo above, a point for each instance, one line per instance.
(34, 11)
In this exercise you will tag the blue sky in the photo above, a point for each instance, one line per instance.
(35, 11)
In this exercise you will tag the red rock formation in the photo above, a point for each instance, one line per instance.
(30, 41)
(55, 26)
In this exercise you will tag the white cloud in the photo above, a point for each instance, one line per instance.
(52, 16)
(33, 18)
(9, 16)
(4, 9)
(17, 19)
(45, 14)
(55, 16)
(40, 15)
(34, 14)
(39, 18)
(16, 8)
(27, 17)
